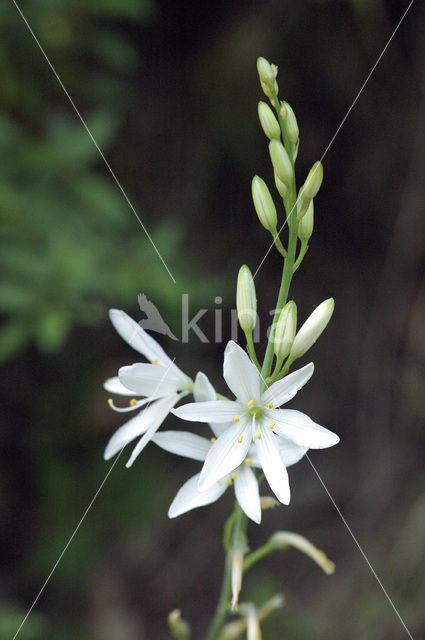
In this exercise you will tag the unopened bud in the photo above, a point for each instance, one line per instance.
(312, 328)
(263, 203)
(290, 122)
(282, 188)
(306, 224)
(314, 179)
(281, 162)
(179, 628)
(246, 300)
(268, 121)
(285, 330)
(267, 74)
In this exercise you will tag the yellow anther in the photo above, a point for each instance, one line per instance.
(213, 440)
(272, 425)
(234, 476)
(229, 481)
(258, 436)
(240, 439)
(235, 419)
(250, 403)
(269, 405)
(249, 462)
(133, 402)
(110, 402)
(154, 361)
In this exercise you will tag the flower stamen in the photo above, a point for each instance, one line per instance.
(240, 439)
(248, 462)
(250, 403)
(269, 405)
(213, 440)
(272, 425)
(235, 419)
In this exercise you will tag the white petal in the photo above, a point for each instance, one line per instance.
(299, 428)
(131, 429)
(203, 391)
(113, 385)
(290, 452)
(162, 409)
(189, 497)
(273, 467)
(226, 453)
(151, 379)
(283, 390)
(241, 374)
(213, 411)
(183, 443)
(247, 494)
(137, 337)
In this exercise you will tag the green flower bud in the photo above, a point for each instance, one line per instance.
(314, 179)
(263, 203)
(268, 121)
(285, 330)
(281, 162)
(312, 328)
(246, 299)
(282, 188)
(267, 74)
(306, 224)
(290, 122)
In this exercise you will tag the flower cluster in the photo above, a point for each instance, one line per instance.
(248, 432)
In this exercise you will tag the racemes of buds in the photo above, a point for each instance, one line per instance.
(264, 205)
(268, 121)
(246, 300)
(281, 162)
(312, 329)
(285, 330)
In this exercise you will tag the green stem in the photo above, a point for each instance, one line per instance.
(288, 271)
(303, 251)
(279, 245)
(259, 554)
(239, 528)
(251, 349)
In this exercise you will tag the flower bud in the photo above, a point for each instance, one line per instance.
(281, 162)
(314, 179)
(246, 300)
(267, 74)
(285, 330)
(263, 203)
(312, 328)
(290, 122)
(268, 121)
(179, 628)
(282, 188)
(306, 224)
(237, 566)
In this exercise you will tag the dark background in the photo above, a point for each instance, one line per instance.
(170, 91)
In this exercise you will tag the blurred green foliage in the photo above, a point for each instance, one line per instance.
(71, 244)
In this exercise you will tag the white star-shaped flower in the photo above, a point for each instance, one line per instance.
(161, 381)
(256, 419)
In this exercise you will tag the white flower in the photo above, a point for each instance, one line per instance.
(196, 447)
(161, 381)
(257, 420)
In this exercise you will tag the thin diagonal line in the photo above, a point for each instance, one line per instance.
(67, 544)
(111, 171)
(82, 519)
(341, 124)
(360, 548)
(338, 510)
